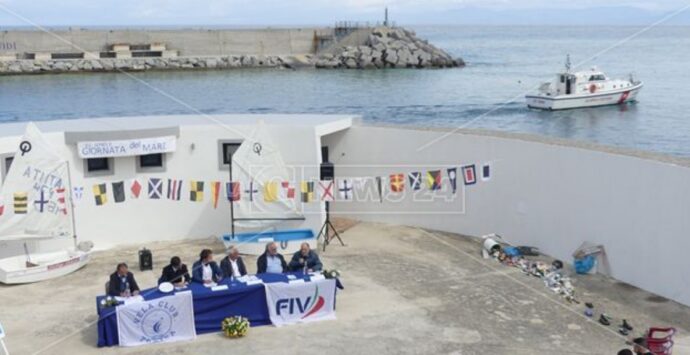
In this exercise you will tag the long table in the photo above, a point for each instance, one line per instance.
(210, 307)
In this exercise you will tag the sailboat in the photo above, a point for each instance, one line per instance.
(38, 207)
(259, 167)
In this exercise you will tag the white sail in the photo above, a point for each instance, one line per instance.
(35, 204)
(255, 164)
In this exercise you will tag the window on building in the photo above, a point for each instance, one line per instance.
(228, 150)
(97, 165)
(8, 163)
(151, 161)
(5, 167)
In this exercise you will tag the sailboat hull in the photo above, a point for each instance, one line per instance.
(288, 241)
(13, 270)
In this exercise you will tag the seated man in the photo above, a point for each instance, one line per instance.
(176, 273)
(232, 265)
(205, 270)
(305, 258)
(122, 282)
(270, 261)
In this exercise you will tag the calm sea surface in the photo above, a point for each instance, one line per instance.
(503, 63)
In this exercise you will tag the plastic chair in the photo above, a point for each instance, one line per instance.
(660, 340)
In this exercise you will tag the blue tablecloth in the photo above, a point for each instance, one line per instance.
(210, 307)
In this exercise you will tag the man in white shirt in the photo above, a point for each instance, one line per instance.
(206, 270)
(233, 265)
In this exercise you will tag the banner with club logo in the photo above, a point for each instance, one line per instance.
(300, 302)
(163, 320)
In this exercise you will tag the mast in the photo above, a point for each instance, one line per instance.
(71, 204)
(567, 63)
(232, 203)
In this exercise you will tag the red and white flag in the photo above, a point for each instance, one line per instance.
(134, 188)
(469, 175)
(288, 191)
(62, 206)
(326, 190)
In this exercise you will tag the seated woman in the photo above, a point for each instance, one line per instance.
(205, 270)
(176, 273)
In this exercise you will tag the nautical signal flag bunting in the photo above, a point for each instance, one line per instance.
(196, 191)
(232, 190)
(433, 179)
(21, 200)
(397, 182)
(100, 194)
(307, 191)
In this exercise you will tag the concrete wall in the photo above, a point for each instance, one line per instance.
(550, 196)
(189, 42)
(138, 221)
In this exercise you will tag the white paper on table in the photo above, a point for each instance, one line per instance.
(298, 281)
(317, 277)
(291, 277)
(210, 285)
(130, 300)
(254, 282)
(219, 288)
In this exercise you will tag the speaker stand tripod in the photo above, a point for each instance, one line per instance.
(327, 238)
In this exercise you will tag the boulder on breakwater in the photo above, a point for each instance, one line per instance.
(389, 48)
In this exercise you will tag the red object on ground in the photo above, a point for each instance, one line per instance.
(660, 340)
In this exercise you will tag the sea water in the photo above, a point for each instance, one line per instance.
(504, 63)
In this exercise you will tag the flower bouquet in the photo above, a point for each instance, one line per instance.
(331, 274)
(235, 327)
(109, 301)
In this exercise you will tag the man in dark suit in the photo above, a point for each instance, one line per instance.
(270, 261)
(205, 270)
(176, 273)
(233, 265)
(305, 259)
(122, 282)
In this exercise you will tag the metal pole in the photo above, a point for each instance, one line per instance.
(232, 203)
(71, 204)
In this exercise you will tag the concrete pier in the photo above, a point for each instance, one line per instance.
(85, 50)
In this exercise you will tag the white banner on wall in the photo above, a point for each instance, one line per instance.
(300, 302)
(162, 320)
(128, 147)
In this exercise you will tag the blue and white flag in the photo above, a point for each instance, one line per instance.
(162, 320)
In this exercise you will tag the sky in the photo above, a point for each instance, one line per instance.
(326, 12)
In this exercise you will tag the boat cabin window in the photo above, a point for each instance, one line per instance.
(597, 77)
(98, 166)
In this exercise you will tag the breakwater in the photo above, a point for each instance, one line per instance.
(388, 47)
(36, 52)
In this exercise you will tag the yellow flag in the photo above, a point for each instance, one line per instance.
(271, 191)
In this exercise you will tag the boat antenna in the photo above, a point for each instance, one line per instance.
(567, 62)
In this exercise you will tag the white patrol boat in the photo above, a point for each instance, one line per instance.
(583, 89)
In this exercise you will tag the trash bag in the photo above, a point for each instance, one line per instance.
(585, 264)
(511, 251)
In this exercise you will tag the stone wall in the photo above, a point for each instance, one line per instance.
(363, 49)
(141, 64)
